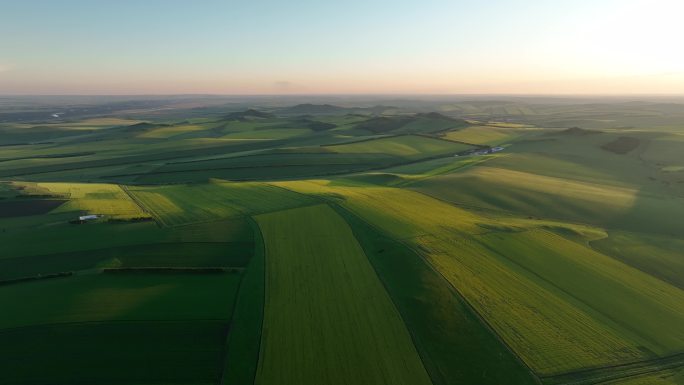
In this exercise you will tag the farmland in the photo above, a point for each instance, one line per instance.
(311, 301)
(276, 241)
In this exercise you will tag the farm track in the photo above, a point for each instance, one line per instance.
(286, 178)
(133, 159)
(481, 146)
(144, 321)
(138, 203)
(616, 372)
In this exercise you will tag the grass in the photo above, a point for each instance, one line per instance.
(42, 235)
(169, 352)
(559, 256)
(93, 198)
(285, 163)
(548, 329)
(666, 377)
(268, 134)
(406, 146)
(657, 255)
(119, 297)
(172, 254)
(170, 131)
(453, 343)
(554, 197)
(179, 205)
(242, 357)
(25, 207)
(327, 318)
(52, 234)
(634, 305)
(484, 135)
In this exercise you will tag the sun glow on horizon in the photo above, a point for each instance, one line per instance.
(439, 46)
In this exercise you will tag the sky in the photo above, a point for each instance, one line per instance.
(341, 47)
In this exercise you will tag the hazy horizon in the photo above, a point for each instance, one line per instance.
(378, 47)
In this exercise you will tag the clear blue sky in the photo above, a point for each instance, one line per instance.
(370, 46)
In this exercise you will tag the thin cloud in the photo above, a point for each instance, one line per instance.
(5, 67)
(282, 85)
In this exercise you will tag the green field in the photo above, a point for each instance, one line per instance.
(444, 329)
(120, 297)
(532, 313)
(406, 145)
(483, 135)
(140, 352)
(178, 205)
(122, 312)
(256, 241)
(102, 199)
(327, 318)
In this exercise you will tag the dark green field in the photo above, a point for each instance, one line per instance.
(279, 241)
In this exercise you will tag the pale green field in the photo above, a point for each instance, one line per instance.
(526, 193)
(666, 377)
(268, 134)
(92, 198)
(554, 329)
(119, 297)
(167, 132)
(328, 319)
(660, 256)
(180, 204)
(407, 145)
(482, 135)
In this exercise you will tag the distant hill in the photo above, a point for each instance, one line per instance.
(419, 123)
(329, 109)
(384, 124)
(307, 108)
(140, 127)
(578, 131)
(249, 115)
(314, 125)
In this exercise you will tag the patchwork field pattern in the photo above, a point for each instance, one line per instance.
(244, 241)
(327, 317)
(102, 199)
(555, 329)
(180, 205)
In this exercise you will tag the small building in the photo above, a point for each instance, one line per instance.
(84, 218)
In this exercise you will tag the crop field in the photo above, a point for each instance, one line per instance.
(177, 205)
(143, 352)
(20, 208)
(120, 311)
(665, 377)
(548, 328)
(243, 343)
(170, 131)
(120, 297)
(101, 199)
(407, 145)
(657, 255)
(482, 135)
(287, 163)
(444, 329)
(338, 326)
(255, 241)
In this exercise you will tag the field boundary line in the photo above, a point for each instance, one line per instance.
(227, 331)
(336, 207)
(142, 321)
(458, 293)
(140, 205)
(433, 136)
(621, 371)
(454, 291)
